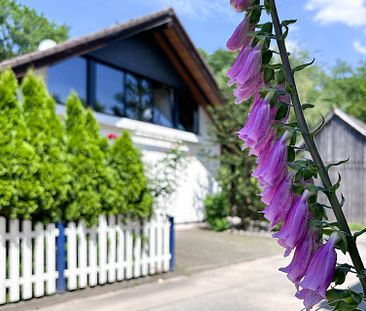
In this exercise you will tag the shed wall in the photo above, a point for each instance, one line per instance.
(339, 141)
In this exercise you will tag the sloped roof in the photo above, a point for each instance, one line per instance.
(166, 30)
(355, 123)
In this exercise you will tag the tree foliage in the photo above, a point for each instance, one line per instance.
(22, 29)
(235, 180)
(52, 170)
(21, 191)
(133, 182)
(47, 137)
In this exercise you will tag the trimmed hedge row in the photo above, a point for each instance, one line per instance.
(52, 170)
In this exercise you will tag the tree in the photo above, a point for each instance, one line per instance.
(85, 157)
(22, 29)
(112, 200)
(125, 159)
(47, 136)
(21, 193)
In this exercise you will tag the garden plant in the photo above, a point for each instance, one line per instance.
(265, 79)
(53, 170)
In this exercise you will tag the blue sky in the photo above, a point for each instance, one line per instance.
(330, 29)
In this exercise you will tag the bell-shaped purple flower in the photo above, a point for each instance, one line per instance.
(246, 72)
(302, 256)
(241, 5)
(247, 66)
(274, 167)
(319, 274)
(281, 201)
(240, 38)
(258, 122)
(245, 91)
(295, 225)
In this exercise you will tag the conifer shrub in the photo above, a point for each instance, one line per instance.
(125, 159)
(21, 192)
(108, 178)
(84, 200)
(52, 170)
(47, 136)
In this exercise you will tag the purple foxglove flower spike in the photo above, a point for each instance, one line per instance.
(258, 122)
(241, 5)
(244, 92)
(302, 256)
(252, 66)
(275, 168)
(295, 225)
(264, 145)
(281, 202)
(246, 73)
(239, 38)
(319, 274)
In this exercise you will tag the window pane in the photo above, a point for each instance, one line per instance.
(163, 109)
(187, 113)
(138, 99)
(67, 76)
(109, 90)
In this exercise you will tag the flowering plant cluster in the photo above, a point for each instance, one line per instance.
(287, 184)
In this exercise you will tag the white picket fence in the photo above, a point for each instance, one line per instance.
(114, 250)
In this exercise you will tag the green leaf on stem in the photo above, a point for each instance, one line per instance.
(255, 15)
(303, 66)
(336, 164)
(267, 27)
(290, 154)
(307, 106)
(358, 233)
(282, 111)
(288, 22)
(280, 76)
(268, 75)
(342, 244)
(266, 58)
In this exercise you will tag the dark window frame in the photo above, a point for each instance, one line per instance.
(91, 93)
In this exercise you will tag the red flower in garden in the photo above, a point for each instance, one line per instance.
(112, 136)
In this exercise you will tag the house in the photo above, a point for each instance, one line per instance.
(147, 77)
(343, 137)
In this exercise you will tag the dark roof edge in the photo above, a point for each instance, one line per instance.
(88, 42)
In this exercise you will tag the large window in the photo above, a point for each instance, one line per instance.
(70, 75)
(114, 91)
(109, 90)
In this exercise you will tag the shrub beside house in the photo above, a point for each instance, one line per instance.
(53, 170)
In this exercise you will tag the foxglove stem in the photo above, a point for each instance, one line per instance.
(309, 140)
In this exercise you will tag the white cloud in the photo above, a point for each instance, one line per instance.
(357, 45)
(351, 12)
(198, 8)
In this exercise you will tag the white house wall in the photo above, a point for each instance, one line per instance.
(195, 181)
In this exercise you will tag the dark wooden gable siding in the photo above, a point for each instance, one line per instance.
(141, 54)
(336, 142)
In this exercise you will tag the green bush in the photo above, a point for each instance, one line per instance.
(125, 159)
(52, 170)
(21, 192)
(47, 136)
(217, 210)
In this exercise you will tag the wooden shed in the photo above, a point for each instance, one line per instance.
(343, 137)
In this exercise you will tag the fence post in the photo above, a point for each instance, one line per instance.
(60, 258)
(171, 244)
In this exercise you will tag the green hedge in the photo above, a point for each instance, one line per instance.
(52, 170)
